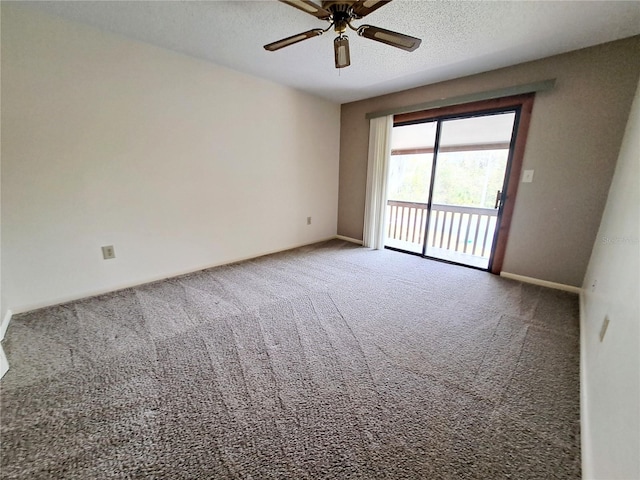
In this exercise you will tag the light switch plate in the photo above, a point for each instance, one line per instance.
(527, 176)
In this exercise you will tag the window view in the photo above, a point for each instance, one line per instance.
(470, 178)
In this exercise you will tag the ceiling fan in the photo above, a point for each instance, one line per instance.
(339, 14)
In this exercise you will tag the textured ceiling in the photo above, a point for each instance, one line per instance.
(458, 37)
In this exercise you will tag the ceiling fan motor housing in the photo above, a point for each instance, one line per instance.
(334, 5)
(342, 13)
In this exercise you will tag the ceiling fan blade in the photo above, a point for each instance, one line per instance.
(341, 50)
(309, 7)
(365, 7)
(285, 42)
(395, 39)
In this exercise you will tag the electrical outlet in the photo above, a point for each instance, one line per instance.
(603, 329)
(108, 252)
(308, 220)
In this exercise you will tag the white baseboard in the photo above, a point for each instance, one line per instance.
(585, 435)
(349, 239)
(4, 363)
(5, 324)
(542, 283)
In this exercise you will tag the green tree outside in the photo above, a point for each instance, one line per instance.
(469, 178)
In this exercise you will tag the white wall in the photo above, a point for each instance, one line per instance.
(611, 369)
(178, 163)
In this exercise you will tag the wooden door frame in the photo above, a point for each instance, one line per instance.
(523, 103)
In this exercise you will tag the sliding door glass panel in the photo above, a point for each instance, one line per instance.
(470, 172)
(408, 185)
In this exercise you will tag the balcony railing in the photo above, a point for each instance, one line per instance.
(465, 230)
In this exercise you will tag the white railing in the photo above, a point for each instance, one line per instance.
(467, 230)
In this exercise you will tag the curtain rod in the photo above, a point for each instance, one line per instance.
(472, 97)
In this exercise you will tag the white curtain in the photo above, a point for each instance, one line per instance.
(377, 169)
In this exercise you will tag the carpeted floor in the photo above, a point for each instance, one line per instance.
(326, 362)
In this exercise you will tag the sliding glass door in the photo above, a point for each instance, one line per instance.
(445, 186)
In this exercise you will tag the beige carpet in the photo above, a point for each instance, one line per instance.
(326, 362)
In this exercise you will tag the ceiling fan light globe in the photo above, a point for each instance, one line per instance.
(342, 56)
(341, 48)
